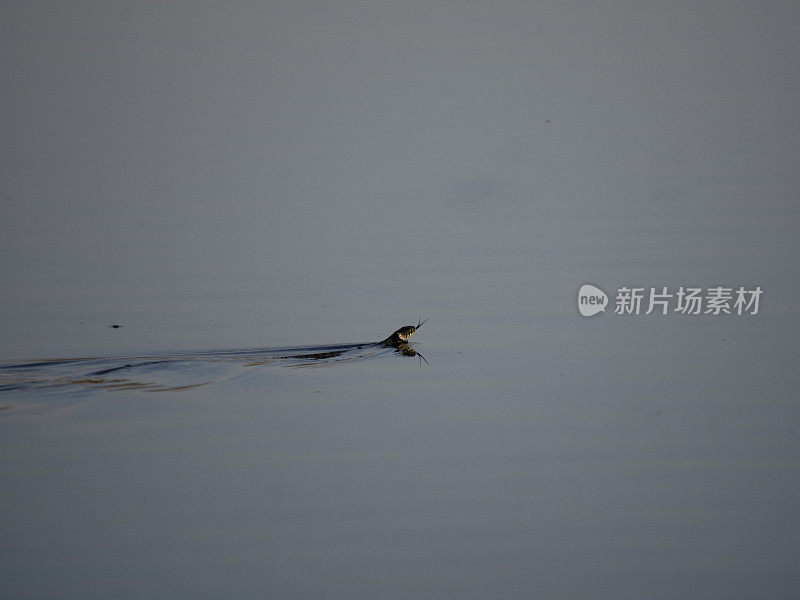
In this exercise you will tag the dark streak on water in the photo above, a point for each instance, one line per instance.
(177, 372)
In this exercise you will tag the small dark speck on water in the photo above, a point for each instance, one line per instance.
(115, 326)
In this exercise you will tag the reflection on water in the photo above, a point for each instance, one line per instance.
(179, 372)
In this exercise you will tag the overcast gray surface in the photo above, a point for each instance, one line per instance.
(303, 151)
(234, 175)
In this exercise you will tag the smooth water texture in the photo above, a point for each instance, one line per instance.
(565, 459)
(255, 191)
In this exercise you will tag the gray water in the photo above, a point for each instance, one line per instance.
(539, 453)
(226, 183)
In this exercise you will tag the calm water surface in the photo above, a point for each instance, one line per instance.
(224, 180)
(538, 452)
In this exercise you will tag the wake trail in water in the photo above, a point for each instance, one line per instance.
(174, 372)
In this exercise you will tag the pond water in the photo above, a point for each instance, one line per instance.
(614, 456)
(239, 186)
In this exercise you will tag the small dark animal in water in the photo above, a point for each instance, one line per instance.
(403, 334)
(115, 326)
(397, 341)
